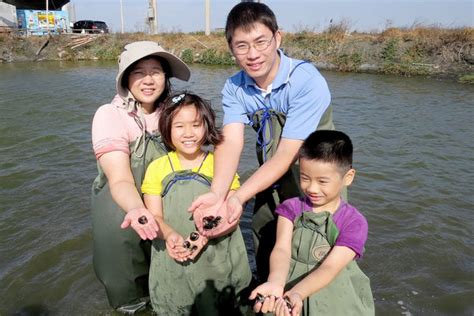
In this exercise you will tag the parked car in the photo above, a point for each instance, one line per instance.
(89, 26)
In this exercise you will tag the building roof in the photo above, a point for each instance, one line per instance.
(37, 4)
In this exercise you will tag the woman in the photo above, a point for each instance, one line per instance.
(125, 141)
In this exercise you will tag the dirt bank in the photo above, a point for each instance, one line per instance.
(425, 51)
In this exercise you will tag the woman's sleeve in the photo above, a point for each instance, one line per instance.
(109, 133)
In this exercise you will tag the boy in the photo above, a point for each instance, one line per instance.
(312, 266)
(285, 100)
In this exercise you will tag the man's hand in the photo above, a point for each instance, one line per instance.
(207, 204)
(142, 221)
(234, 209)
(220, 224)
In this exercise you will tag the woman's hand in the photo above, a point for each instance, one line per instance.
(265, 296)
(142, 221)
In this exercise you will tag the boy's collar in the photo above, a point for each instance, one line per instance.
(309, 206)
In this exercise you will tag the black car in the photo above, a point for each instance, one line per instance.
(89, 26)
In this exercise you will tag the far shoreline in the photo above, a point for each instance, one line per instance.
(419, 51)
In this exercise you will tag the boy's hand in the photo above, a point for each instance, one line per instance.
(142, 221)
(175, 248)
(289, 305)
(265, 296)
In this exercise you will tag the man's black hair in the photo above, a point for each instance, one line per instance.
(246, 14)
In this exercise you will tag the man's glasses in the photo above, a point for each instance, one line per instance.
(260, 45)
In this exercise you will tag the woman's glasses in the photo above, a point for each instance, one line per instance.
(140, 74)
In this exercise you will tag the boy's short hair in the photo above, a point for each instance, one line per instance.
(245, 15)
(328, 146)
(175, 102)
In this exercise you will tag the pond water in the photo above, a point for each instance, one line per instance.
(414, 151)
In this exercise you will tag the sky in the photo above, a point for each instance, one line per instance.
(292, 15)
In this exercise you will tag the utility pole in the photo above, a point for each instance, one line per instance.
(208, 17)
(121, 15)
(47, 16)
(152, 20)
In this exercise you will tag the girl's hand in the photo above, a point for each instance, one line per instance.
(289, 305)
(196, 244)
(175, 248)
(265, 296)
(142, 221)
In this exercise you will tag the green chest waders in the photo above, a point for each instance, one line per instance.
(269, 126)
(349, 293)
(121, 259)
(210, 285)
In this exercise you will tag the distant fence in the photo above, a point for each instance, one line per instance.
(31, 31)
(43, 32)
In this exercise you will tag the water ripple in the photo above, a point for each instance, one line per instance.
(412, 151)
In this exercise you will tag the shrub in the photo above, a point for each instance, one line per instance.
(469, 78)
(389, 52)
(187, 56)
(212, 57)
(348, 62)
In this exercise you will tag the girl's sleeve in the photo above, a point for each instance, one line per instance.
(108, 132)
(152, 181)
(235, 183)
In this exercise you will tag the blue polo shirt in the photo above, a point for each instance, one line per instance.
(298, 90)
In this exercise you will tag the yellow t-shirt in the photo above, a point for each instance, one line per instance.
(160, 168)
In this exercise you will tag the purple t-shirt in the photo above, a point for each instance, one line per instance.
(352, 225)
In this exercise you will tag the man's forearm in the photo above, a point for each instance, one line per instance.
(226, 160)
(270, 171)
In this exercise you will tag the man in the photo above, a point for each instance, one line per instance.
(284, 99)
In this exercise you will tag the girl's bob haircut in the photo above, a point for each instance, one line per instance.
(171, 106)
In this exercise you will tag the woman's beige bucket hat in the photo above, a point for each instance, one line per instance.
(138, 50)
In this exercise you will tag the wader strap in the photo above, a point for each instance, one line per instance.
(202, 162)
(140, 120)
(264, 122)
(171, 164)
(176, 176)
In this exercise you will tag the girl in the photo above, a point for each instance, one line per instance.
(190, 274)
(125, 141)
(312, 267)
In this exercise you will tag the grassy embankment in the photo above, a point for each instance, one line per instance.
(419, 50)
